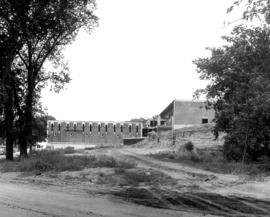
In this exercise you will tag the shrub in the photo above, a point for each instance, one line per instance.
(69, 150)
(152, 135)
(232, 150)
(195, 157)
(189, 146)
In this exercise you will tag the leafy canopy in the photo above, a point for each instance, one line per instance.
(239, 90)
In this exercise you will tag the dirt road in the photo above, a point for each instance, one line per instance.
(25, 200)
(196, 193)
(208, 192)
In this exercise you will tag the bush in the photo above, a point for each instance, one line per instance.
(189, 146)
(232, 150)
(152, 135)
(69, 150)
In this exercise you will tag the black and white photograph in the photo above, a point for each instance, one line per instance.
(127, 108)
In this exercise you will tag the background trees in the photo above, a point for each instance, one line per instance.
(239, 90)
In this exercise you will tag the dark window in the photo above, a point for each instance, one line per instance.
(114, 128)
(75, 127)
(153, 123)
(106, 128)
(67, 127)
(52, 127)
(137, 129)
(129, 128)
(59, 127)
(121, 128)
(99, 128)
(83, 126)
(204, 120)
(90, 126)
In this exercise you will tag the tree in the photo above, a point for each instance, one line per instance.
(239, 90)
(45, 29)
(10, 43)
(254, 9)
(40, 128)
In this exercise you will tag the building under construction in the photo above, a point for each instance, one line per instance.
(84, 132)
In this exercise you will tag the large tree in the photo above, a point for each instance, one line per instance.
(45, 29)
(239, 90)
(10, 43)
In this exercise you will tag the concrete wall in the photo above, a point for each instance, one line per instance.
(191, 113)
(181, 114)
(91, 132)
(168, 114)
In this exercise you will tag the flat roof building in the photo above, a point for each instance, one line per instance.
(181, 113)
(87, 132)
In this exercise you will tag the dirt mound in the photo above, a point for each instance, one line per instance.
(207, 203)
(200, 136)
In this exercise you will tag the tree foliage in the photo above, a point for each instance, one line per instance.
(40, 127)
(239, 90)
(259, 9)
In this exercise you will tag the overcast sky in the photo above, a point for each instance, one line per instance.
(139, 59)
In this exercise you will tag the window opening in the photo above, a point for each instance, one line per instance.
(204, 120)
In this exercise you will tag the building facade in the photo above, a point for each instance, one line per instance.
(179, 114)
(79, 132)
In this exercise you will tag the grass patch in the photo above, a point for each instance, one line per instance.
(56, 160)
(213, 160)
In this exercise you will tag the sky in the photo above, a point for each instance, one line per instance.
(139, 59)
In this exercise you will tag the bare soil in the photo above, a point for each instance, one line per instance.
(153, 188)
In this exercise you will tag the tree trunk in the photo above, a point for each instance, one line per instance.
(266, 144)
(26, 137)
(23, 144)
(9, 118)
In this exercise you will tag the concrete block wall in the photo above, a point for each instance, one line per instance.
(179, 114)
(190, 113)
(91, 132)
